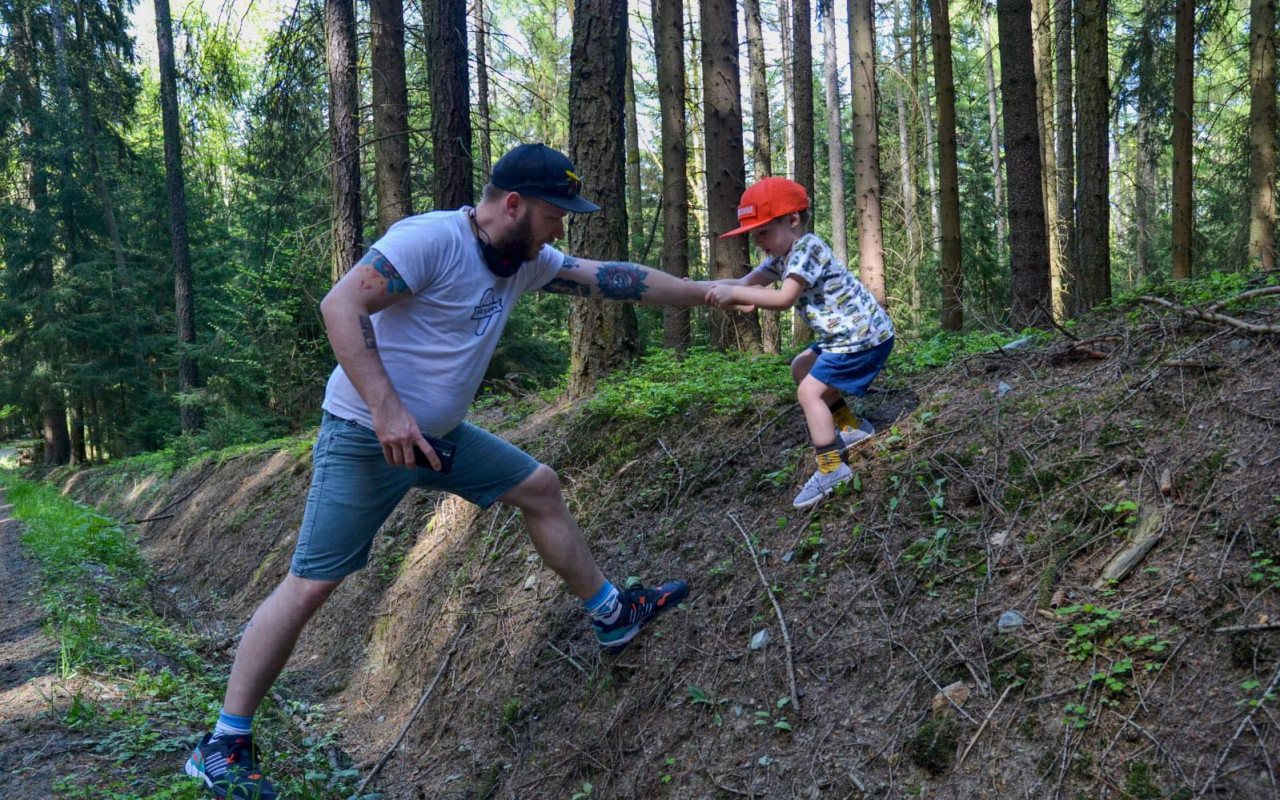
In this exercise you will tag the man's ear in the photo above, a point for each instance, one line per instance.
(512, 203)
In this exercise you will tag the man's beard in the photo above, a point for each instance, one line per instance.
(519, 245)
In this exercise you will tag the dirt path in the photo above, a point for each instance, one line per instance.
(35, 748)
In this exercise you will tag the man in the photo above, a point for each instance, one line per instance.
(413, 326)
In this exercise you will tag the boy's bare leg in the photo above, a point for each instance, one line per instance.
(270, 638)
(812, 397)
(554, 532)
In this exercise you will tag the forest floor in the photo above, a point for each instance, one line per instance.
(955, 625)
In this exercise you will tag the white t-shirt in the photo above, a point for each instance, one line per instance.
(436, 344)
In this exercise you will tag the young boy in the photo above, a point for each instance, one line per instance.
(852, 333)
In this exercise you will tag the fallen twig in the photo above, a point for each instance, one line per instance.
(1248, 719)
(1210, 316)
(983, 726)
(416, 711)
(1274, 626)
(786, 637)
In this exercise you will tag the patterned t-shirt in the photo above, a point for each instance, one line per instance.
(844, 316)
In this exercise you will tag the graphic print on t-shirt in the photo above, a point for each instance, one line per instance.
(487, 310)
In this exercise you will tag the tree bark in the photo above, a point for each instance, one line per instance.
(603, 333)
(866, 148)
(390, 112)
(835, 134)
(802, 131)
(183, 290)
(668, 34)
(445, 25)
(482, 92)
(762, 142)
(948, 173)
(930, 151)
(993, 128)
(726, 175)
(911, 222)
(1262, 132)
(788, 129)
(1183, 100)
(1092, 165)
(635, 192)
(344, 134)
(1042, 43)
(1028, 241)
(1144, 189)
(1066, 150)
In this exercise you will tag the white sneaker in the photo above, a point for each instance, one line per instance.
(852, 437)
(822, 485)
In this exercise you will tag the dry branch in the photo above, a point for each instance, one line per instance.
(1210, 316)
(1144, 538)
(786, 637)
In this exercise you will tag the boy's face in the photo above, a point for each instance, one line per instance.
(776, 236)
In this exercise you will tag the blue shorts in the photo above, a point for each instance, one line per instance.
(851, 373)
(354, 490)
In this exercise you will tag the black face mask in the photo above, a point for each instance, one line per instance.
(497, 263)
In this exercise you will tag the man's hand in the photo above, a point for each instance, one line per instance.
(398, 433)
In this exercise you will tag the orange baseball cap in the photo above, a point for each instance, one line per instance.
(766, 200)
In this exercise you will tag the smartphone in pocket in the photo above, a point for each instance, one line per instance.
(444, 451)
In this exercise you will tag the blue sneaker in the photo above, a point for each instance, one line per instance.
(228, 765)
(852, 437)
(637, 607)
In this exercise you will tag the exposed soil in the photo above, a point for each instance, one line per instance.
(1001, 483)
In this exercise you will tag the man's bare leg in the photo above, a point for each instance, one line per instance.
(554, 532)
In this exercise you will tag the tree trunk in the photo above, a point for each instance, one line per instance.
(635, 192)
(726, 175)
(911, 223)
(1183, 101)
(344, 134)
(866, 148)
(1262, 127)
(390, 112)
(668, 34)
(762, 141)
(482, 92)
(788, 87)
(802, 131)
(1144, 189)
(603, 333)
(445, 25)
(1066, 172)
(1028, 241)
(930, 153)
(993, 128)
(1093, 167)
(183, 291)
(949, 183)
(1042, 43)
(835, 133)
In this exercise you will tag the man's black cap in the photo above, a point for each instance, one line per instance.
(535, 170)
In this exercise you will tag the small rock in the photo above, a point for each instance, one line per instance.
(1002, 389)
(958, 693)
(761, 639)
(787, 556)
(1018, 344)
(1166, 483)
(1010, 621)
(530, 582)
(765, 761)
(532, 557)
(1240, 345)
(999, 538)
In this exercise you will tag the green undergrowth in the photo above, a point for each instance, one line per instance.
(160, 692)
(1210, 288)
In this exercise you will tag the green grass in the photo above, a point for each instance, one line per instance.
(93, 587)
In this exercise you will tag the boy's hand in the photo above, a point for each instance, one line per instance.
(720, 295)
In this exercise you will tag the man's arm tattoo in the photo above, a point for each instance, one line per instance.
(366, 326)
(569, 263)
(562, 286)
(393, 283)
(622, 280)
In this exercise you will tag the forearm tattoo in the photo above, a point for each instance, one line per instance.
(622, 280)
(366, 327)
(569, 263)
(391, 282)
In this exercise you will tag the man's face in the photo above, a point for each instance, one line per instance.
(537, 224)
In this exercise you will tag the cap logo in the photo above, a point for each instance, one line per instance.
(574, 180)
(746, 211)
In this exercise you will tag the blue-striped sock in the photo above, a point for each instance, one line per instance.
(603, 605)
(232, 725)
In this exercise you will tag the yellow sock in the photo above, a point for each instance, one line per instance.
(844, 417)
(828, 460)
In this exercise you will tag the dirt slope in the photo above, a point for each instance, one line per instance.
(1004, 483)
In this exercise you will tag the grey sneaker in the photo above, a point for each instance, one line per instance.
(852, 437)
(820, 486)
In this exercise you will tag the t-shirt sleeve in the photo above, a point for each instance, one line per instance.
(417, 249)
(541, 270)
(806, 261)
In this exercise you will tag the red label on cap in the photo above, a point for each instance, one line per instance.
(746, 211)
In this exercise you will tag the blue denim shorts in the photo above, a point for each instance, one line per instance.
(851, 373)
(354, 490)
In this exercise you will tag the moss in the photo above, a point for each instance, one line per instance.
(1139, 784)
(933, 748)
